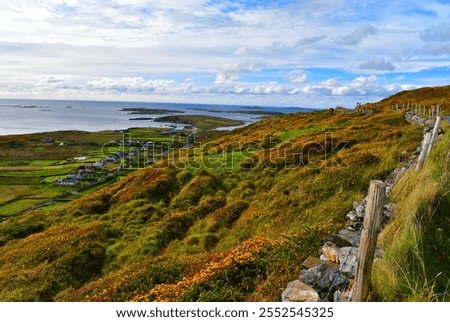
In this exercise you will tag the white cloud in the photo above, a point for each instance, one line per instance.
(52, 80)
(368, 86)
(358, 35)
(298, 76)
(241, 51)
(439, 33)
(230, 72)
(311, 40)
(144, 48)
(437, 49)
(131, 84)
(377, 64)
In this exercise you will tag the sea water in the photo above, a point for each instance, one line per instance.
(21, 116)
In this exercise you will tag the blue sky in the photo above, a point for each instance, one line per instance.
(312, 53)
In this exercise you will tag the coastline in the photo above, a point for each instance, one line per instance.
(35, 116)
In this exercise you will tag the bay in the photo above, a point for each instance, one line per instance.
(22, 116)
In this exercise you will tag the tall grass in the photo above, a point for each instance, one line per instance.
(415, 264)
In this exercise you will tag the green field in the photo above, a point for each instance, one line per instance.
(30, 164)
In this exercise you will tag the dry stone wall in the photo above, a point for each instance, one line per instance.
(328, 277)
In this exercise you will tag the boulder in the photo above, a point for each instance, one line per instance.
(338, 241)
(354, 226)
(348, 257)
(352, 216)
(311, 261)
(351, 236)
(331, 252)
(320, 277)
(360, 211)
(297, 291)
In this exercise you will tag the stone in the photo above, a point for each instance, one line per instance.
(345, 296)
(364, 202)
(338, 241)
(378, 253)
(331, 252)
(360, 211)
(389, 206)
(388, 190)
(388, 210)
(297, 291)
(348, 257)
(354, 226)
(320, 277)
(352, 216)
(311, 261)
(390, 182)
(351, 236)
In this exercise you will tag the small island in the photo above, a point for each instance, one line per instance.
(202, 122)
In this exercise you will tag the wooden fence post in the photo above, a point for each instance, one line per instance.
(424, 151)
(368, 242)
(434, 135)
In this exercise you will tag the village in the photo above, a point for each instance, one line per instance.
(125, 154)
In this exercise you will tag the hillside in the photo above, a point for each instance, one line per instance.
(229, 219)
(427, 96)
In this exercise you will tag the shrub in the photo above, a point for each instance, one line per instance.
(173, 228)
(23, 226)
(207, 206)
(191, 194)
(60, 257)
(209, 241)
(224, 217)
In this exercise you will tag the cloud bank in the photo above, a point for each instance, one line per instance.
(302, 53)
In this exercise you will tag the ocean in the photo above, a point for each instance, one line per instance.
(22, 116)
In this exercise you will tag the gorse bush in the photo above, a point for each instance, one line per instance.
(60, 257)
(211, 226)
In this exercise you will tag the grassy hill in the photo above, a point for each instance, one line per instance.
(229, 219)
(425, 96)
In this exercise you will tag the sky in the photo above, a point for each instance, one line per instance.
(306, 53)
